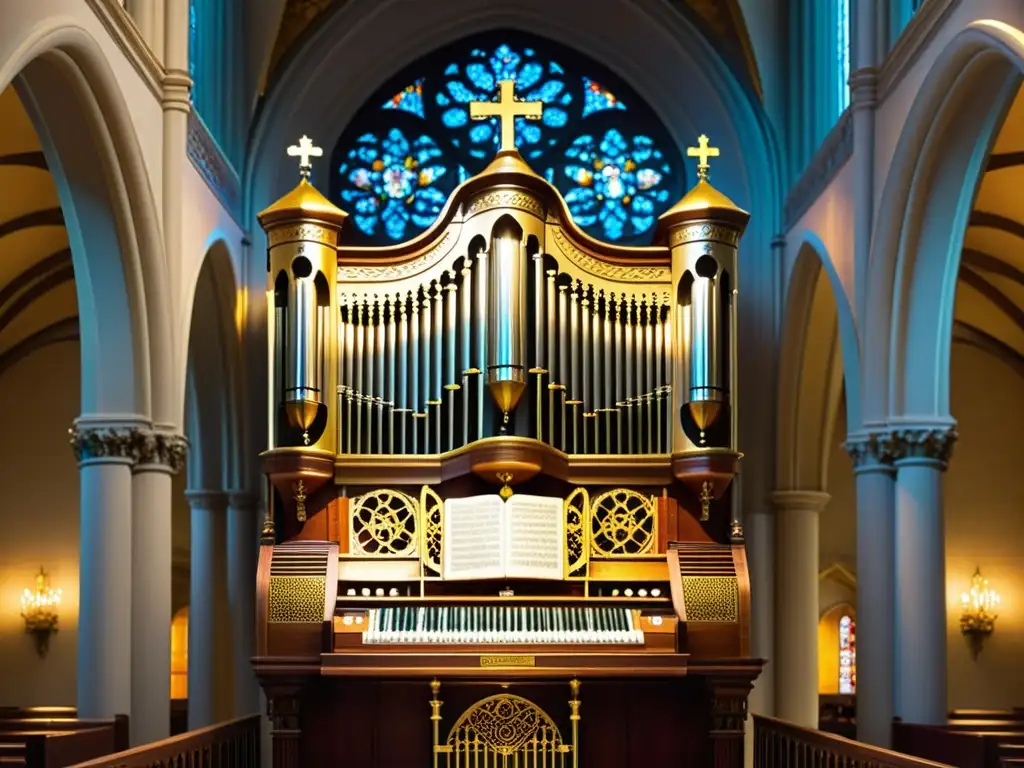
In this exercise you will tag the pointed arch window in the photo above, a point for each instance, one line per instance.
(847, 655)
(605, 150)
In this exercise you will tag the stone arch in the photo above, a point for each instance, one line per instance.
(818, 344)
(214, 402)
(88, 138)
(923, 216)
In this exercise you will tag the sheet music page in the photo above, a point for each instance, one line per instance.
(534, 537)
(472, 538)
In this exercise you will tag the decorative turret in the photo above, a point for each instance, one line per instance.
(703, 231)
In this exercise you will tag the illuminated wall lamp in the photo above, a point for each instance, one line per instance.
(39, 609)
(978, 617)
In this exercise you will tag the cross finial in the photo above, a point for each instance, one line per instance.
(304, 151)
(507, 109)
(702, 152)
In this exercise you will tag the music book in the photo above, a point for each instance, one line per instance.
(485, 537)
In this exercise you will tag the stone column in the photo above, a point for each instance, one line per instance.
(160, 455)
(175, 100)
(875, 479)
(208, 609)
(244, 522)
(796, 605)
(863, 79)
(922, 455)
(105, 453)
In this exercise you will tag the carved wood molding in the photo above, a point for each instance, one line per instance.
(830, 157)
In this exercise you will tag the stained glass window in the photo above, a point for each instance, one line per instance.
(843, 52)
(414, 142)
(847, 655)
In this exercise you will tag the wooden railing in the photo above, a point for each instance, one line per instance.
(778, 744)
(232, 744)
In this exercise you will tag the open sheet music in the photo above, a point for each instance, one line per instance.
(487, 538)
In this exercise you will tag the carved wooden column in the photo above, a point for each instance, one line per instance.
(283, 708)
(728, 715)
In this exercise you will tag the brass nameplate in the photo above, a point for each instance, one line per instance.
(507, 661)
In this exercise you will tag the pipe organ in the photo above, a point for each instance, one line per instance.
(590, 385)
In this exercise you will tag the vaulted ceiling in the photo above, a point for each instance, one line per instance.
(720, 20)
(38, 305)
(990, 291)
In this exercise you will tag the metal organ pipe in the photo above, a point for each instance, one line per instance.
(707, 393)
(301, 393)
(506, 365)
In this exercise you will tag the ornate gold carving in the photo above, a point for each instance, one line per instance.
(696, 233)
(711, 598)
(505, 198)
(382, 523)
(504, 725)
(615, 272)
(307, 231)
(623, 523)
(296, 599)
(577, 514)
(394, 272)
(300, 500)
(431, 523)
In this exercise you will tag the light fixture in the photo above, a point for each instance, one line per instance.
(978, 617)
(39, 609)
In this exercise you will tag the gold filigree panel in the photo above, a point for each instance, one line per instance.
(618, 273)
(711, 598)
(383, 523)
(623, 523)
(508, 727)
(432, 521)
(505, 198)
(577, 513)
(296, 599)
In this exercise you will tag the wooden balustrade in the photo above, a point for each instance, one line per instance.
(778, 744)
(232, 744)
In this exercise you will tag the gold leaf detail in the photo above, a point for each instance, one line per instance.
(615, 272)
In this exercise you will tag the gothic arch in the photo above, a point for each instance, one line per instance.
(818, 354)
(646, 47)
(214, 402)
(89, 140)
(923, 216)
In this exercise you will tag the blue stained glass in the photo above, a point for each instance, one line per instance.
(391, 180)
(454, 118)
(395, 178)
(596, 98)
(409, 99)
(614, 180)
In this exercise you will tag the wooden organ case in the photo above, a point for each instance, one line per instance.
(503, 363)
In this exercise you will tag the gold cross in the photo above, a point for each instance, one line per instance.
(702, 153)
(507, 109)
(304, 151)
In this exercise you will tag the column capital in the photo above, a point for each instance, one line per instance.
(871, 451)
(800, 501)
(924, 445)
(160, 451)
(863, 88)
(239, 499)
(212, 500)
(110, 442)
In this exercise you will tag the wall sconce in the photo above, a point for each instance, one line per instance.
(39, 609)
(978, 617)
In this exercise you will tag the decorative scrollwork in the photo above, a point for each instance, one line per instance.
(383, 523)
(506, 725)
(614, 272)
(392, 272)
(577, 512)
(506, 198)
(432, 519)
(623, 523)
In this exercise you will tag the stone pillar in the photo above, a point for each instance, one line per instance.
(863, 80)
(176, 103)
(796, 605)
(208, 609)
(922, 455)
(875, 478)
(760, 540)
(105, 453)
(244, 522)
(159, 456)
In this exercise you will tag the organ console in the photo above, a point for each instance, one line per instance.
(500, 465)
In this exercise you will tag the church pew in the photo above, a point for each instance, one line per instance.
(963, 748)
(986, 725)
(55, 749)
(1016, 713)
(36, 712)
(119, 725)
